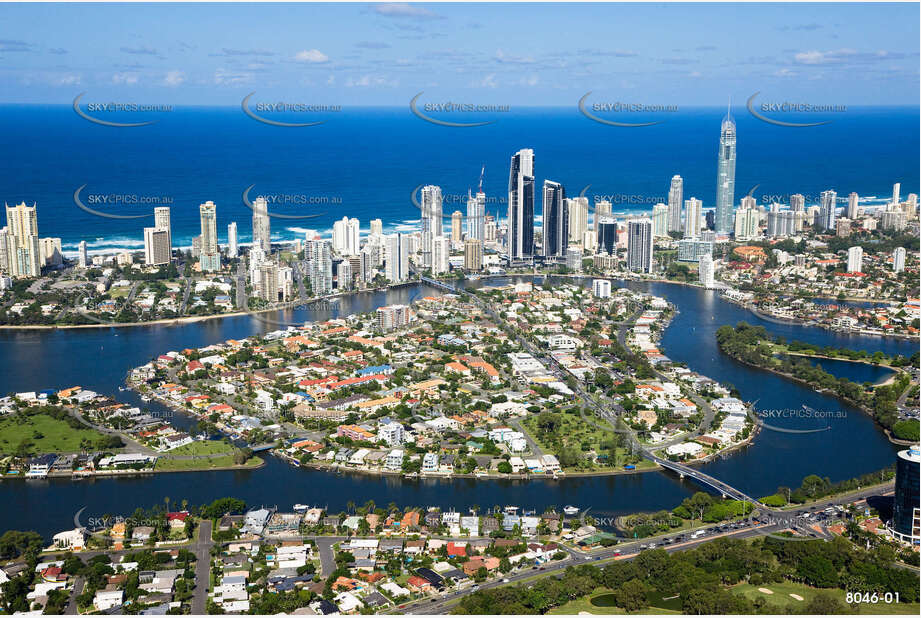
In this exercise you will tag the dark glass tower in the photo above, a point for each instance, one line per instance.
(556, 220)
(521, 207)
(906, 513)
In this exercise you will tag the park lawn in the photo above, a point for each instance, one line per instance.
(206, 447)
(574, 431)
(165, 464)
(782, 598)
(585, 605)
(57, 435)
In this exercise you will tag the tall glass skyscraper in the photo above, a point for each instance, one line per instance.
(675, 198)
(606, 230)
(906, 512)
(521, 206)
(476, 216)
(726, 175)
(210, 256)
(555, 220)
(431, 221)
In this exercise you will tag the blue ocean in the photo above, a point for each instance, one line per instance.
(366, 162)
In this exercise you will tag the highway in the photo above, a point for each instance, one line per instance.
(765, 524)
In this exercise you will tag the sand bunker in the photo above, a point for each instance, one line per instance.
(765, 591)
(796, 596)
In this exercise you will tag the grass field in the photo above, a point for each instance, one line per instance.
(586, 605)
(782, 598)
(575, 432)
(55, 436)
(164, 464)
(207, 447)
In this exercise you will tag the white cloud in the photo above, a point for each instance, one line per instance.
(844, 56)
(223, 77)
(489, 81)
(311, 56)
(174, 78)
(530, 80)
(66, 79)
(506, 59)
(125, 78)
(366, 81)
(402, 9)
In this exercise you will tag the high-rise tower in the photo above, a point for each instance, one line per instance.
(555, 220)
(726, 175)
(521, 206)
(675, 198)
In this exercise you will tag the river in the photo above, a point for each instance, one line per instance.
(100, 358)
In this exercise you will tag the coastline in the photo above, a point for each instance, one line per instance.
(334, 468)
(126, 473)
(217, 316)
(191, 319)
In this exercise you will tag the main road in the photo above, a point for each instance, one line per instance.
(794, 519)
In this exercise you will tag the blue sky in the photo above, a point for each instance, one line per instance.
(515, 54)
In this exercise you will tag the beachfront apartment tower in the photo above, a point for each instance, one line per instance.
(660, 220)
(210, 257)
(828, 211)
(457, 227)
(432, 213)
(82, 255)
(693, 208)
(346, 236)
(853, 200)
(675, 199)
(162, 221)
(476, 216)
(233, 243)
(521, 207)
(725, 176)
(262, 227)
(555, 220)
(577, 211)
(156, 246)
(23, 249)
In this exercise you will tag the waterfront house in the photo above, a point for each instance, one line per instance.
(73, 540)
(142, 533)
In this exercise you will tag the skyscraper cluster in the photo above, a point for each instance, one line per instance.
(22, 252)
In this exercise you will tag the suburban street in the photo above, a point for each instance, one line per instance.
(202, 551)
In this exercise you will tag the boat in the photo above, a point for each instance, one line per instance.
(570, 510)
(145, 398)
(300, 508)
